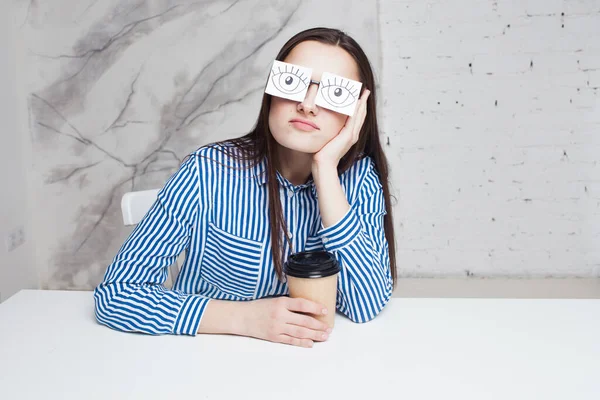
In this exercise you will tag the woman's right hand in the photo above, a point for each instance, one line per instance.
(278, 319)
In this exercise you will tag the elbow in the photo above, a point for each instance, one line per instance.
(367, 314)
(104, 312)
(362, 320)
(101, 301)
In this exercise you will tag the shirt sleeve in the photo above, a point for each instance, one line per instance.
(359, 244)
(132, 296)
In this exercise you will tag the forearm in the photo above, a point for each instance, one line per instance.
(333, 204)
(357, 238)
(146, 308)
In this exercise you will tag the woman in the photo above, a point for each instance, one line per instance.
(305, 178)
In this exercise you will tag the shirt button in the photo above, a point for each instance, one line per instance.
(325, 240)
(290, 235)
(290, 194)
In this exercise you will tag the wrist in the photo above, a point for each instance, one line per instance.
(323, 167)
(224, 316)
(239, 323)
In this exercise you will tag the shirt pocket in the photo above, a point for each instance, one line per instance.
(231, 263)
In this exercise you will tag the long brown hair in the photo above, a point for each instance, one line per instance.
(259, 143)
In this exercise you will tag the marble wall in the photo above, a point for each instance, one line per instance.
(120, 91)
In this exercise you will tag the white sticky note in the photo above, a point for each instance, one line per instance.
(338, 94)
(288, 81)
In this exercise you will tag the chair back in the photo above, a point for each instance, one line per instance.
(134, 206)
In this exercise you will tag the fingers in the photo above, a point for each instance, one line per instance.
(300, 329)
(362, 105)
(301, 332)
(360, 115)
(308, 322)
(306, 306)
(354, 123)
(295, 341)
(365, 96)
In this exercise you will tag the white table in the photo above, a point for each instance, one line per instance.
(52, 347)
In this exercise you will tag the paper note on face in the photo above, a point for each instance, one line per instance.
(288, 81)
(338, 94)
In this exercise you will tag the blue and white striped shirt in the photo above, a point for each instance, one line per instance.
(219, 215)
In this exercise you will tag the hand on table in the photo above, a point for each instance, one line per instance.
(280, 320)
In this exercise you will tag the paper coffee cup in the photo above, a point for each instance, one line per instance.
(312, 275)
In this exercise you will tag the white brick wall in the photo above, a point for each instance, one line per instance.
(492, 109)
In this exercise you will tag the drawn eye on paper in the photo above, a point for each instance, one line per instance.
(288, 81)
(338, 94)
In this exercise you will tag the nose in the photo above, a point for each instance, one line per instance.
(308, 106)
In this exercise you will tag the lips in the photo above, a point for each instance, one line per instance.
(305, 121)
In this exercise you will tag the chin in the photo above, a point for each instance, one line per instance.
(301, 148)
(301, 145)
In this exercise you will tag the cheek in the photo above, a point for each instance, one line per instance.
(273, 113)
(278, 111)
(275, 107)
(335, 122)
